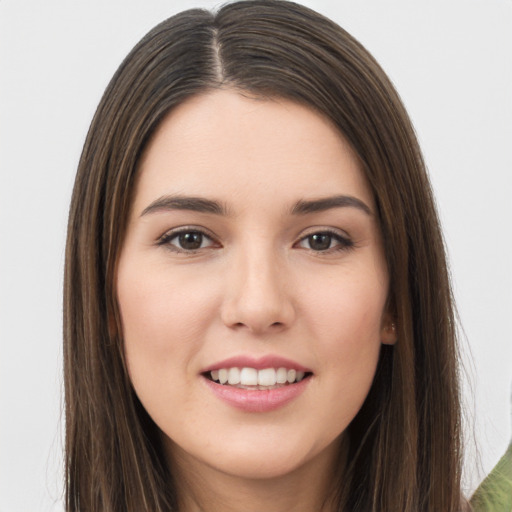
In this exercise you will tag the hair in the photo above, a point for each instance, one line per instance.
(404, 444)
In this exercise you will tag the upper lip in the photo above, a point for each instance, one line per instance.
(258, 363)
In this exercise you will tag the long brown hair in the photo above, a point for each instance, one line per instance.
(404, 452)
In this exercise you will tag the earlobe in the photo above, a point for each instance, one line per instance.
(388, 334)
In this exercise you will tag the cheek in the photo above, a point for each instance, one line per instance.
(348, 312)
(160, 309)
(347, 326)
(164, 317)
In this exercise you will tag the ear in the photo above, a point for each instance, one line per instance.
(388, 330)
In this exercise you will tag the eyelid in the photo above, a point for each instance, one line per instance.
(324, 229)
(345, 242)
(174, 232)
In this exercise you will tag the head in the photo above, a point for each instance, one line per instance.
(397, 443)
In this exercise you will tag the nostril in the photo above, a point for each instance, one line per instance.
(252, 327)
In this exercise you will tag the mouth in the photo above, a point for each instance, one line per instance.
(256, 379)
(257, 384)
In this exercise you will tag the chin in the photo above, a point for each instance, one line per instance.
(258, 467)
(263, 459)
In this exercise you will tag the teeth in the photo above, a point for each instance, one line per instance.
(282, 375)
(268, 377)
(233, 376)
(249, 377)
(223, 376)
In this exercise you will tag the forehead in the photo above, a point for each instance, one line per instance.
(231, 147)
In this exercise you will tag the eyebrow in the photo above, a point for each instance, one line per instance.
(326, 203)
(197, 204)
(202, 205)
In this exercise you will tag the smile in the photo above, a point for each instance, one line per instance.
(251, 378)
(257, 384)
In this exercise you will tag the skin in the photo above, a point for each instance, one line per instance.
(258, 285)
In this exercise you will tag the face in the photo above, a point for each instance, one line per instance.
(252, 255)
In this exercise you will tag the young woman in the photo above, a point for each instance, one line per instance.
(258, 314)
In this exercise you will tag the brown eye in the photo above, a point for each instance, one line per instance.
(325, 241)
(190, 241)
(186, 240)
(320, 241)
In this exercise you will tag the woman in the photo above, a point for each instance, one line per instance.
(258, 312)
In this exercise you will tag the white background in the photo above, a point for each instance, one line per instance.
(451, 62)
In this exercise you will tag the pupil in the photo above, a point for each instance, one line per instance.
(320, 241)
(190, 241)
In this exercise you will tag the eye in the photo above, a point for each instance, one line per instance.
(186, 240)
(324, 241)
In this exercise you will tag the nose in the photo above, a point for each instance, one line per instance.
(257, 297)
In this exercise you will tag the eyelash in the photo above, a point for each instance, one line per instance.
(166, 239)
(343, 243)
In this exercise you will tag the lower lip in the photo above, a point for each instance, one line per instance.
(258, 400)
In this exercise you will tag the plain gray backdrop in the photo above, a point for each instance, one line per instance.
(452, 64)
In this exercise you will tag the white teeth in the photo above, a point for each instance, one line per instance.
(267, 377)
(223, 376)
(248, 377)
(233, 376)
(281, 375)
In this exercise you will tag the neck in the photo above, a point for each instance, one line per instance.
(310, 487)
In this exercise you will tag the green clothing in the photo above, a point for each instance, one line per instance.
(495, 493)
